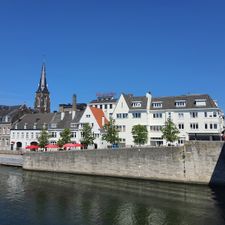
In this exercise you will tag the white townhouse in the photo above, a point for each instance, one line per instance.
(129, 111)
(96, 118)
(196, 116)
(106, 102)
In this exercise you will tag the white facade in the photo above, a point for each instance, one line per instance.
(96, 119)
(191, 116)
(106, 104)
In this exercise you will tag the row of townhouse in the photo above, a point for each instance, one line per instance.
(197, 117)
(27, 129)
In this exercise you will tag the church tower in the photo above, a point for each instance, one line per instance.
(42, 99)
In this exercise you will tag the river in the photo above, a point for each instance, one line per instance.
(30, 198)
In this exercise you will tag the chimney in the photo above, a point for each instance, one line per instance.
(149, 99)
(73, 114)
(103, 121)
(74, 103)
(62, 115)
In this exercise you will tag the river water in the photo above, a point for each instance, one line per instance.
(30, 198)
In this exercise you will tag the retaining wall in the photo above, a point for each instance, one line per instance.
(196, 162)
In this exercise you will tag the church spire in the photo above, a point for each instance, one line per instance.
(42, 87)
(42, 98)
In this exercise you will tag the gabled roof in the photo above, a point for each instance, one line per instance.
(98, 114)
(129, 98)
(169, 102)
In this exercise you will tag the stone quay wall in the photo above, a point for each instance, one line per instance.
(196, 162)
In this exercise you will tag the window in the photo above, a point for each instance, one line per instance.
(181, 115)
(100, 106)
(25, 125)
(73, 134)
(206, 126)
(181, 126)
(136, 115)
(106, 106)
(22, 135)
(214, 114)
(35, 126)
(27, 135)
(74, 125)
(215, 126)
(194, 114)
(122, 115)
(32, 135)
(53, 125)
(211, 126)
(194, 126)
(121, 128)
(200, 102)
(53, 134)
(88, 116)
(157, 115)
(136, 104)
(180, 103)
(110, 106)
(206, 114)
(157, 104)
(13, 135)
(155, 128)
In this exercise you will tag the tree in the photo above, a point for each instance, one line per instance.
(43, 138)
(65, 137)
(170, 131)
(140, 134)
(87, 136)
(111, 133)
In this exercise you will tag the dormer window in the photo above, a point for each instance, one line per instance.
(16, 126)
(25, 126)
(136, 104)
(44, 126)
(53, 125)
(35, 126)
(157, 105)
(180, 103)
(200, 102)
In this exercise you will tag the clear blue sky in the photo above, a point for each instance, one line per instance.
(166, 47)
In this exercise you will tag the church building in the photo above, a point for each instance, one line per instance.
(42, 98)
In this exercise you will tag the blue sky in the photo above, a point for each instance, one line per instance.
(166, 47)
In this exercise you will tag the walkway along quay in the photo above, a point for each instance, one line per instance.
(11, 158)
(196, 162)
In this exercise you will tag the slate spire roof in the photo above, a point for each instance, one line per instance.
(42, 87)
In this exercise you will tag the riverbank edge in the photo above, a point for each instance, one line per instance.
(195, 163)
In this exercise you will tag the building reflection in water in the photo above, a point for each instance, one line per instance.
(48, 198)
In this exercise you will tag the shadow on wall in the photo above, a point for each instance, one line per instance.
(218, 176)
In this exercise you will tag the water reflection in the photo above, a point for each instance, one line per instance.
(47, 198)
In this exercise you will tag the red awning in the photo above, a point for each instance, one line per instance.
(32, 147)
(71, 145)
(51, 146)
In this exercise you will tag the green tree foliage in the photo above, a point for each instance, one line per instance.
(111, 133)
(140, 134)
(43, 138)
(65, 137)
(170, 131)
(87, 136)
